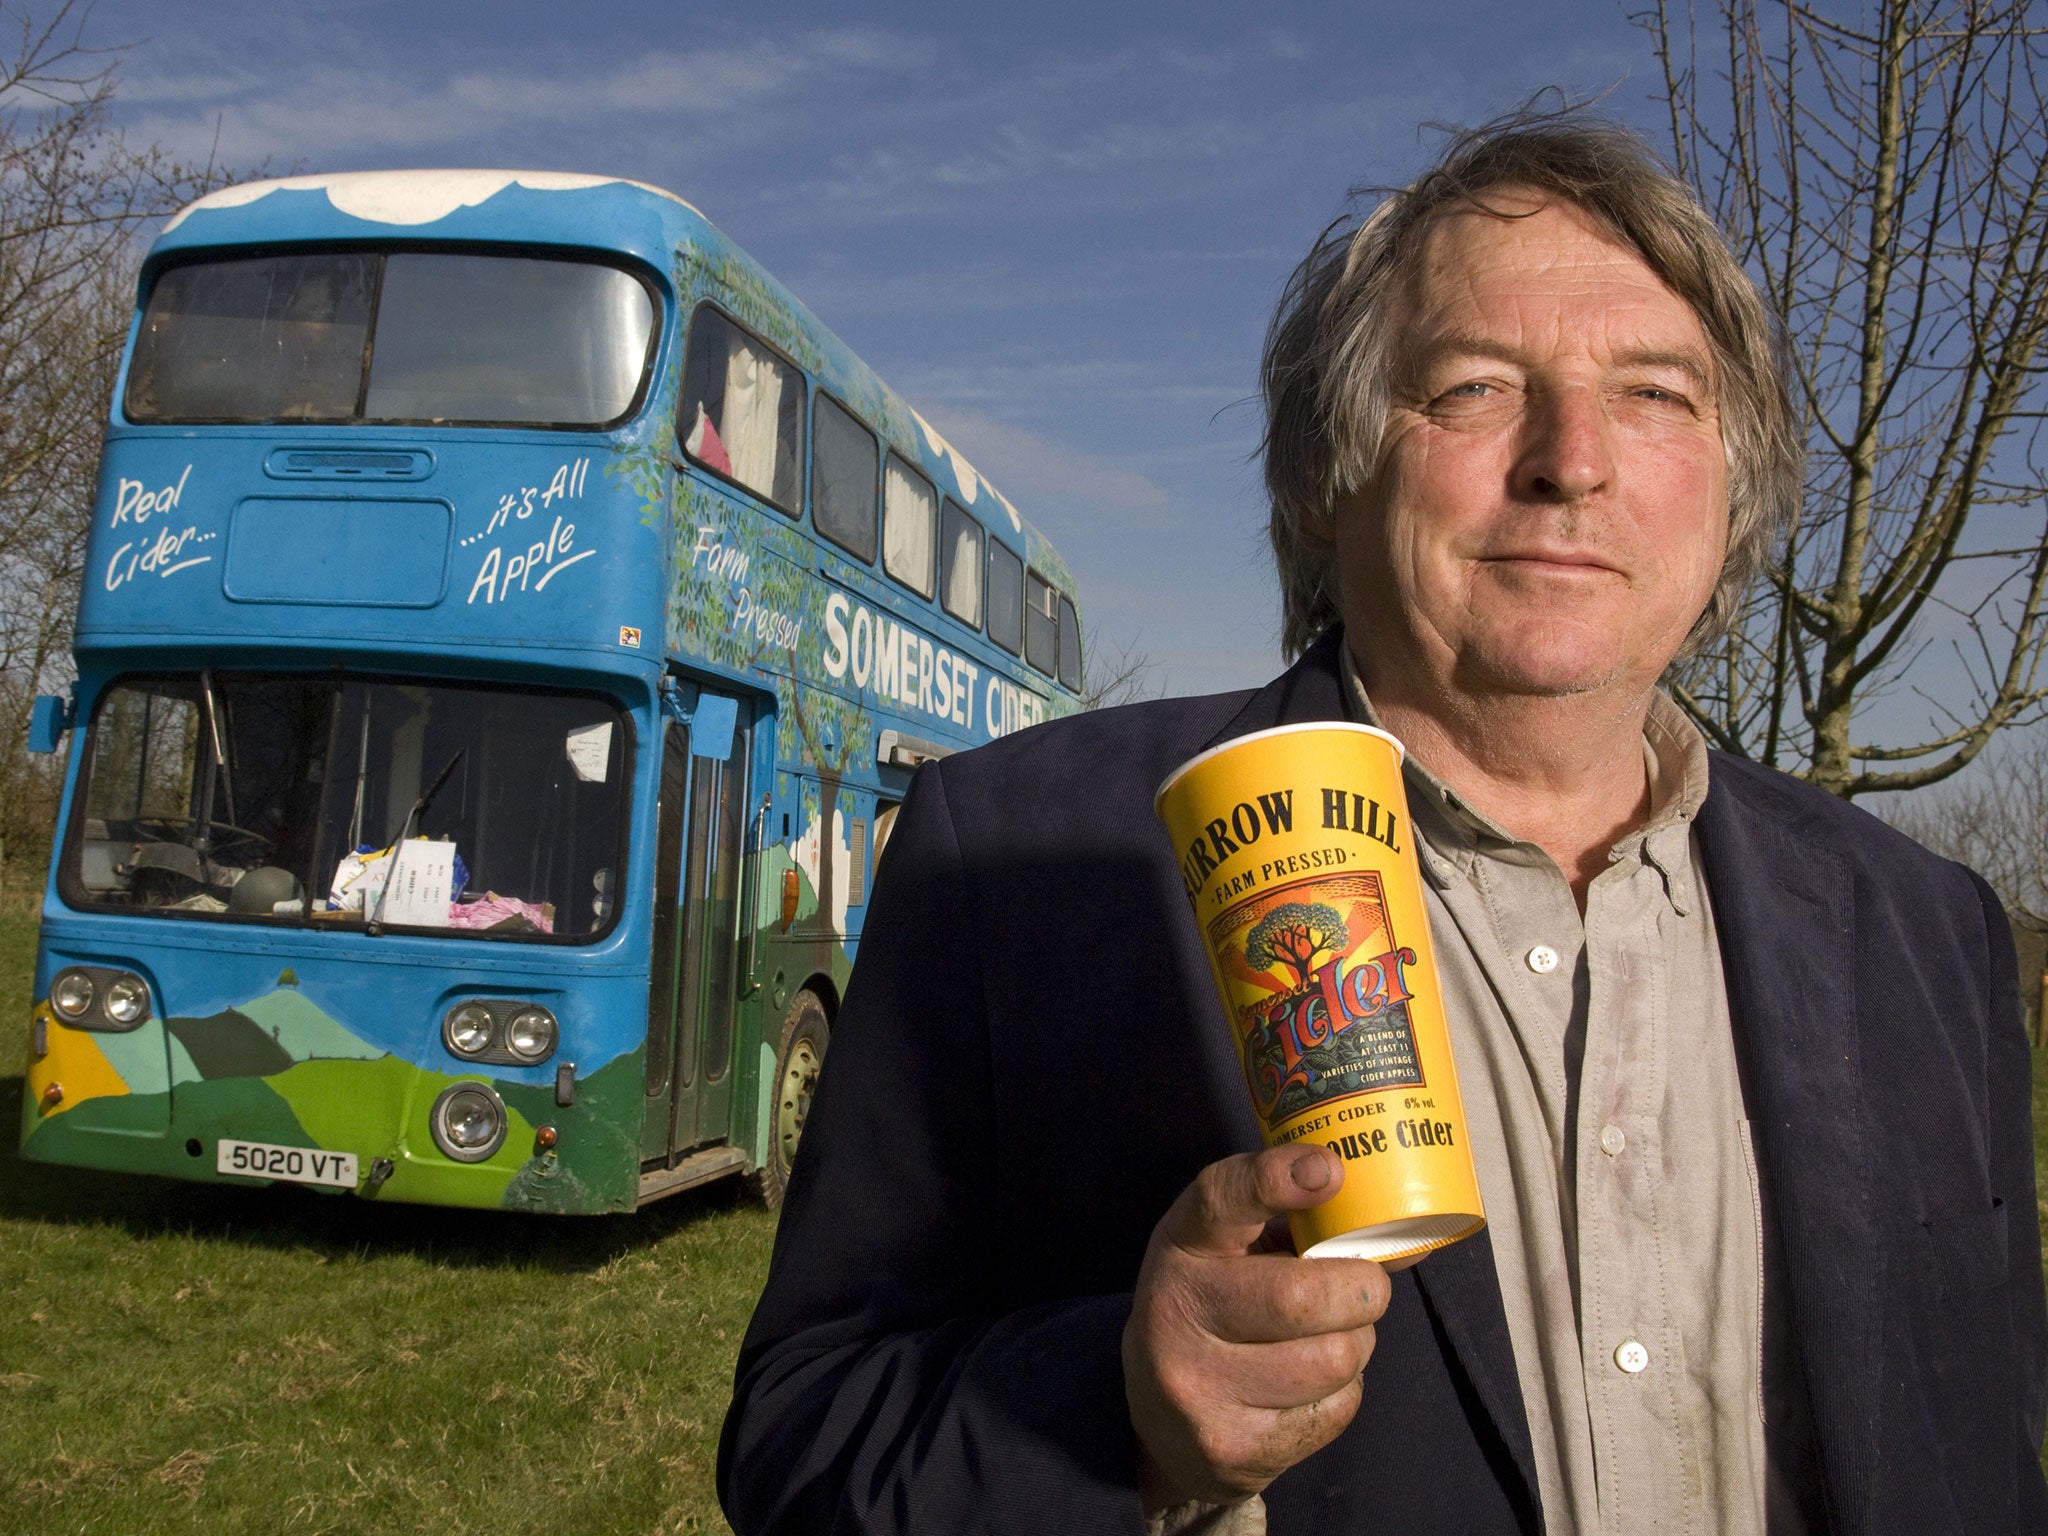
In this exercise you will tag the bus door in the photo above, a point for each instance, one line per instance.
(693, 992)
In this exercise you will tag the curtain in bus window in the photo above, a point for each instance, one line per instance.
(960, 564)
(1041, 624)
(908, 505)
(754, 385)
(742, 410)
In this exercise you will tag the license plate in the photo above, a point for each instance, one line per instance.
(299, 1165)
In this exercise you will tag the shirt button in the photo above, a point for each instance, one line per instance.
(1612, 1141)
(1632, 1356)
(1542, 959)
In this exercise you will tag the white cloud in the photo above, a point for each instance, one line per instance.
(353, 106)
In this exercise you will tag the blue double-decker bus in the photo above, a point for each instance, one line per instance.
(510, 622)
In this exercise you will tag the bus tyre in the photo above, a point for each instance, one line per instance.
(805, 1034)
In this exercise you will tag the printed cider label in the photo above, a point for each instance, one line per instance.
(1321, 986)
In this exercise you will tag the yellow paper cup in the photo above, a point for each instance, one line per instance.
(1295, 848)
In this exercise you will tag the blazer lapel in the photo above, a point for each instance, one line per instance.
(1311, 689)
(1458, 1283)
(1784, 912)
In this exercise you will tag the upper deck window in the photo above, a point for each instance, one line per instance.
(1005, 597)
(960, 563)
(742, 411)
(1041, 623)
(1070, 646)
(909, 508)
(434, 338)
(843, 464)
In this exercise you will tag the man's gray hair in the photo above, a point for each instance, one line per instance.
(1325, 374)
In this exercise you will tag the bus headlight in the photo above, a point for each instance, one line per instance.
(466, 1029)
(71, 994)
(468, 1122)
(531, 1034)
(127, 999)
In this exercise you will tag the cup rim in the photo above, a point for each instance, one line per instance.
(1167, 783)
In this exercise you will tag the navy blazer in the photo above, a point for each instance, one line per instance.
(1031, 1062)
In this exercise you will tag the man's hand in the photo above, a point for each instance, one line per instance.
(1241, 1359)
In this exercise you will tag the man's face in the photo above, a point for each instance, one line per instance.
(1552, 508)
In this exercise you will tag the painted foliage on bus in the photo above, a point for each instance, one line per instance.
(510, 619)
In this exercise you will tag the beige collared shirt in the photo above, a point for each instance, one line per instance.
(1598, 1067)
(1598, 1071)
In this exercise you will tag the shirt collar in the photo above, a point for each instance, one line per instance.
(1455, 835)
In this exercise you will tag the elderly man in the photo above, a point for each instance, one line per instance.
(1746, 1086)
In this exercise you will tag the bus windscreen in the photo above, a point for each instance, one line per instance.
(437, 338)
(294, 799)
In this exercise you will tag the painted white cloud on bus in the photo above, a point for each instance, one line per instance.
(402, 197)
(963, 472)
(803, 853)
(1041, 469)
(971, 480)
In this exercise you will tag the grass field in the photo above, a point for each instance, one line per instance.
(178, 1358)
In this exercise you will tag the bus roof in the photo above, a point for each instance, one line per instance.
(406, 197)
(584, 212)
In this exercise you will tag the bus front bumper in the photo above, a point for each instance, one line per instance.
(217, 1108)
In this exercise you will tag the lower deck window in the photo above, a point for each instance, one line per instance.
(299, 800)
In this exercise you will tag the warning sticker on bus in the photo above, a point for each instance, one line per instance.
(299, 1165)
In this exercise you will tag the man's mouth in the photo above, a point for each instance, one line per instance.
(1563, 562)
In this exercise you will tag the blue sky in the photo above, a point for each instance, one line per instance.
(1056, 228)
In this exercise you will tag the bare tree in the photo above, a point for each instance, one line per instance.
(74, 200)
(1996, 821)
(1120, 676)
(1885, 179)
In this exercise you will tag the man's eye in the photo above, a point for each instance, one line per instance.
(1474, 389)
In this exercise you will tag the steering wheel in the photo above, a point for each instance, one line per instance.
(174, 829)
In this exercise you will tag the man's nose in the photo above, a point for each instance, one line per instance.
(1566, 450)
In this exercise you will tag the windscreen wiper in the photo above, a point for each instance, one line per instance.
(355, 822)
(211, 768)
(375, 925)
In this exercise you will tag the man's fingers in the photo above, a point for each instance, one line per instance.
(1280, 1377)
(1228, 1205)
(1273, 1297)
(1242, 1456)
(1238, 1360)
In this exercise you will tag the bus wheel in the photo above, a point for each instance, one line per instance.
(805, 1034)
